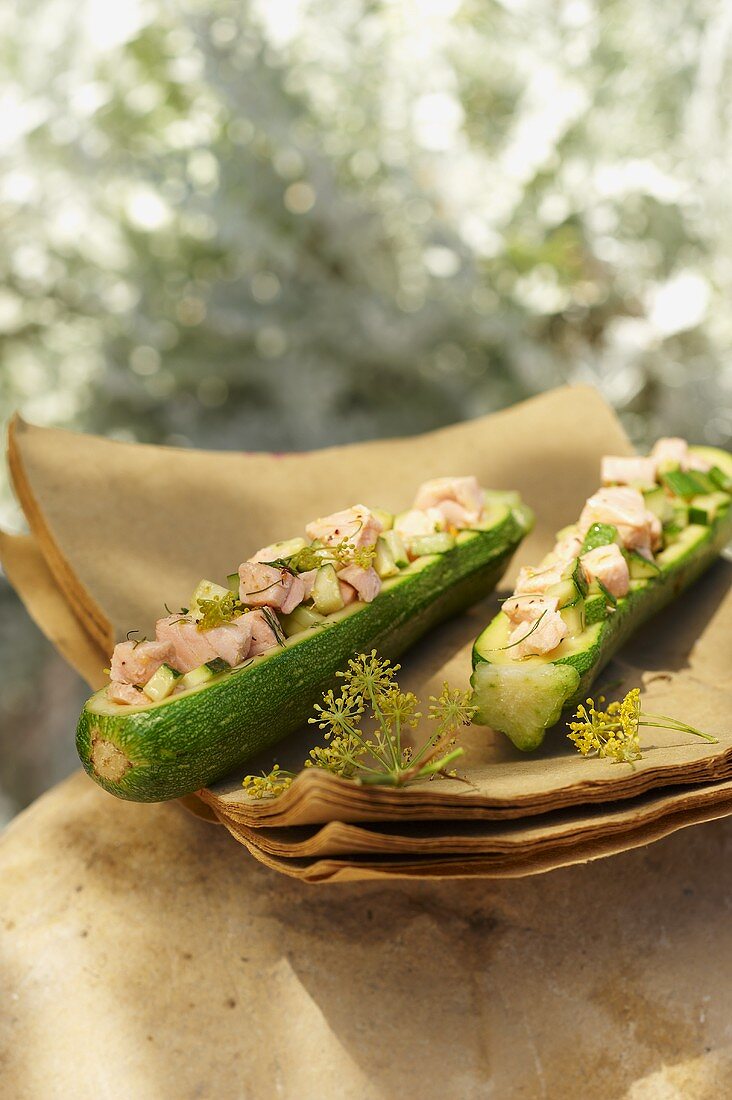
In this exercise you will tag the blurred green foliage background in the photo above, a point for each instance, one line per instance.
(287, 223)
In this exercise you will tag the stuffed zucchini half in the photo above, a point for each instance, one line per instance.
(242, 665)
(653, 528)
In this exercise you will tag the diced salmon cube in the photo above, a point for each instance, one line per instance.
(625, 508)
(191, 647)
(607, 564)
(263, 636)
(629, 471)
(527, 608)
(463, 491)
(136, 662)
(619, 505)
(696, 462)
(566, 549)
(231, 641)
(120, 692)
(673, 451)
(348, 593)
(536, 581)
(358, 525)
(455, 515)
(265, 586)
(308, 580)
(418, 522)
(541, 636)
(366, 581)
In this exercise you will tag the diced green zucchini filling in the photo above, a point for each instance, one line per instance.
(204, 673)
(658, 502)
(595, 608)
(610, 599)
(302, 618)
(508, 497)
(396, 546)
(439, 543)
(386, 519)
(686, 483)
(196, 677)
(599, 534)
(565, 592)
(640, 568)
(207, 590)
(574, 617)
(384, 562)
(327, 591)
(720, 480)
(161, 683)
(705, 508)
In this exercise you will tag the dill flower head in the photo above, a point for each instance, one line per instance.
(363, 556)
(310, 557)
(400, 708)
(340, 757)
(338, 714)
(611, 733)
(268, 786)
(451, 708)
(369, 676)
(363, 728)
(218, 610)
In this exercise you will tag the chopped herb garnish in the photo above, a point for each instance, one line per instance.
(376, 756)
(614, 733)
(523, 638)
(342, 554)
(275, 624)
(611, 599)
(218, 611)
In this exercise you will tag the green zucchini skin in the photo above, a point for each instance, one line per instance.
(188, 741)
(524, 698)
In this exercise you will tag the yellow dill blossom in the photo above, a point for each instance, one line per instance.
(369, 676)
(451, 709)
(340, 757)
(218, 610)
(344, 553)
(614, 733)
(371, 694)
(268, 786)
(362, 556)
(338, 713)
(399, 708)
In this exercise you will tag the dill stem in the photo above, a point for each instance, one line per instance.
(379, 717)
(680, 727)
(354, 732)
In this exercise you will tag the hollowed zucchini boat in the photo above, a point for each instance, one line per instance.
(190, 739)
(523, 698)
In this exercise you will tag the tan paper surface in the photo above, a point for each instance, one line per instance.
(580, 826)
(120, 524)
(548, 448)
(540, 858)
(682, 660)
(143, 957)
(31, 578)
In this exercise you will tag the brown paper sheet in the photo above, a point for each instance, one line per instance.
(125, 526)
(118, 555)
(143, 957)
(577, 826)
(681, 659)
(44, 601)
(536, 849)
